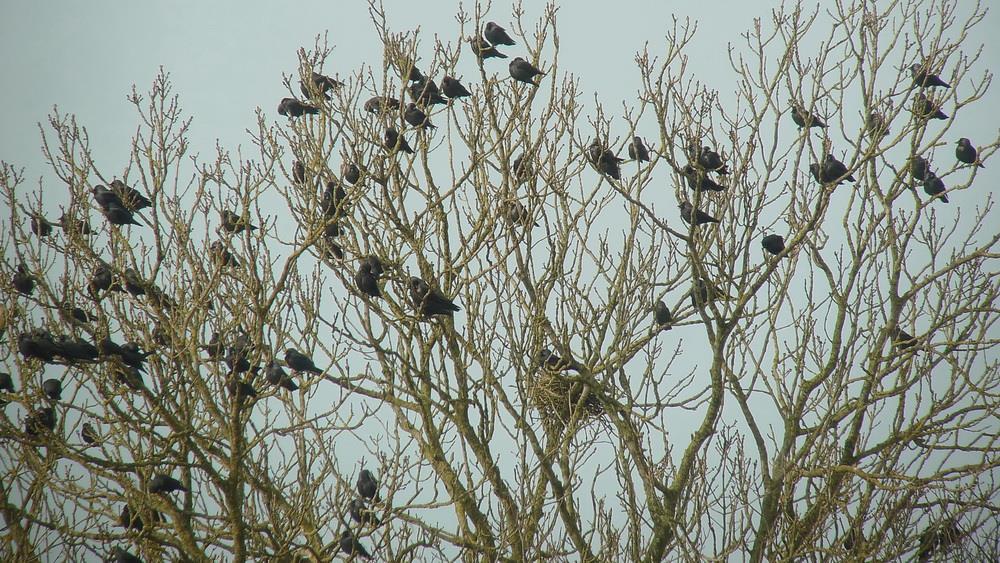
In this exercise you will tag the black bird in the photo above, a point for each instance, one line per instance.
(609, 164)
(902, 339)
(233, 223)
(350, 172)
(351, 546)
(22, 280)
(594, 152)
(298, 172)
(703, 291)
(700, 217)
(926, 109)
(967, 153)
(934, 186)
(133, 356)
(414, 74)
(39, 421)
(37, 344)
(134, 283)
(361, 513)
(919, 167)
(637, 150)
(380, 104)
(129, 520)
(318, 85)
(300, 362)
(484, 50)
(876, 125)
(129, 377)
(368, 485)
(6, 383)
(699, 181)
(238, 355)
(89, 435)
(276, 375)
(105, 197)
(549, 360)
(118, 215)
(102, 279)
(522, 168)
(74, 226)
(216, 348)
(523, 71)
(428, 301)
(517, 214)
(367, 280)
(294, 108)
(452, 88)
(75, 348)
(221, 255)
(417, 118)
(130, 198)
(162, 483)
(426, 92)
(333, 199)
(924, 78)
(121, 555)
(241, 390)
(393, 140)
(52, 388)
(937, 538)
(803, 118)
(497, 35)
(711, 161)
(74, 315)
(661, 314)
(40, 225)
(835, 170)
(773, 243)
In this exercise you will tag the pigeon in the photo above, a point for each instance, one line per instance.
(711, 161)
(6, 383)
(637, 150)
(300, 362)
(902, 339)
(22, 280)
(484, 50)
(803, 118)
(121, 555)
(934, 187)
(40, 225)
(350, 172)
(452, 88)
(276, 375)
(367, 280)
(523, 71)
(924, 79)
(298, 172)
(318, 85)
(118, 215)
(74, 226)
(361, 513)
(39, 421)
(926, 109)
(89, 435)
(294, 108)
(37, 344)
(417, 118)
(876, 125)
(661, 314)
(775, 244)
(368, 485)
(52, 388)
(130, 198)
(380, 104)
(429, 302)
(699, 181)
(497, 35)
(351, 546)
(967, 153)
(162, 483)
(835, 170)
(233, 223)
(393, 141)
(700, 217)
(919, 167)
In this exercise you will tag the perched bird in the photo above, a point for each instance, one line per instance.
(300, 362)
(74, 315)
(241, 390)
(876, 125)
(118, 215)
(700, 217)
(52, 388)
(393, 141)
(298, 172)
(803, 118)
(350, 172)
(902, 339)
(22, 280)
(710, 160)
(74, 226)
(102, 279)
(496, 35)
(238, 355)
(426, 92)
(333, 199)
(661, 314)
(104, 197)
(517, 214)
(380, 104)
(924, 78)
(361, 513)
(417, 118)
(221, 255)
(130, 198)
(129, 377)
(294, 108)
(73, 349)
(413, 74)
(368, 485)
(121, 555)
(216, 348)
(699, 181)
(6, 383)
(484, 50)
(967, 153)
(367, 280)
(318, 85)
(233, 223)
(40, 225)
(162, 483)
(131, 519)
(773, 243)
(934, 187)
(37, 344)
(523, 71)
(609, 164)
(522, 168)
(39, 421)
(132, 355)
(938, 538)
(834, 170)
(452, 88)
(351, 546)
(134, 283)
(637, 150)
(926, 109)
(89, 435)
(428, 301)
(919, 167)
(276, 375)
(703, 291)
(549, 360)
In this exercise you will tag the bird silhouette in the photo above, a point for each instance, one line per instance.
(381, 104)
(523, 71)
(233, 223)
(966, 153)
(52, 389)
(773, 243)
(350, 172)
(700, 217)
(934, 187)
(162, 483)
(417, 118)
(22, 280)
(367, 280)
(637, 150)
(453, 88)
(919, 167)
(300, 362)
(711, 161)
(40, 225)
(496, 35)
(276, 375)
(368, 485)
(428, 301)
(923, 78)
(661, 314)
(803, 118)
(294, 108)
(484, 50)
(351, 546)
(393, 141)
(89, 435)
(699, 181)
(317, 86)
(925, 109)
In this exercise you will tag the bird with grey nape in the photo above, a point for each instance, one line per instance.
(523, 71)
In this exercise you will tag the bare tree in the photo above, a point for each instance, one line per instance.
(498, 339)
